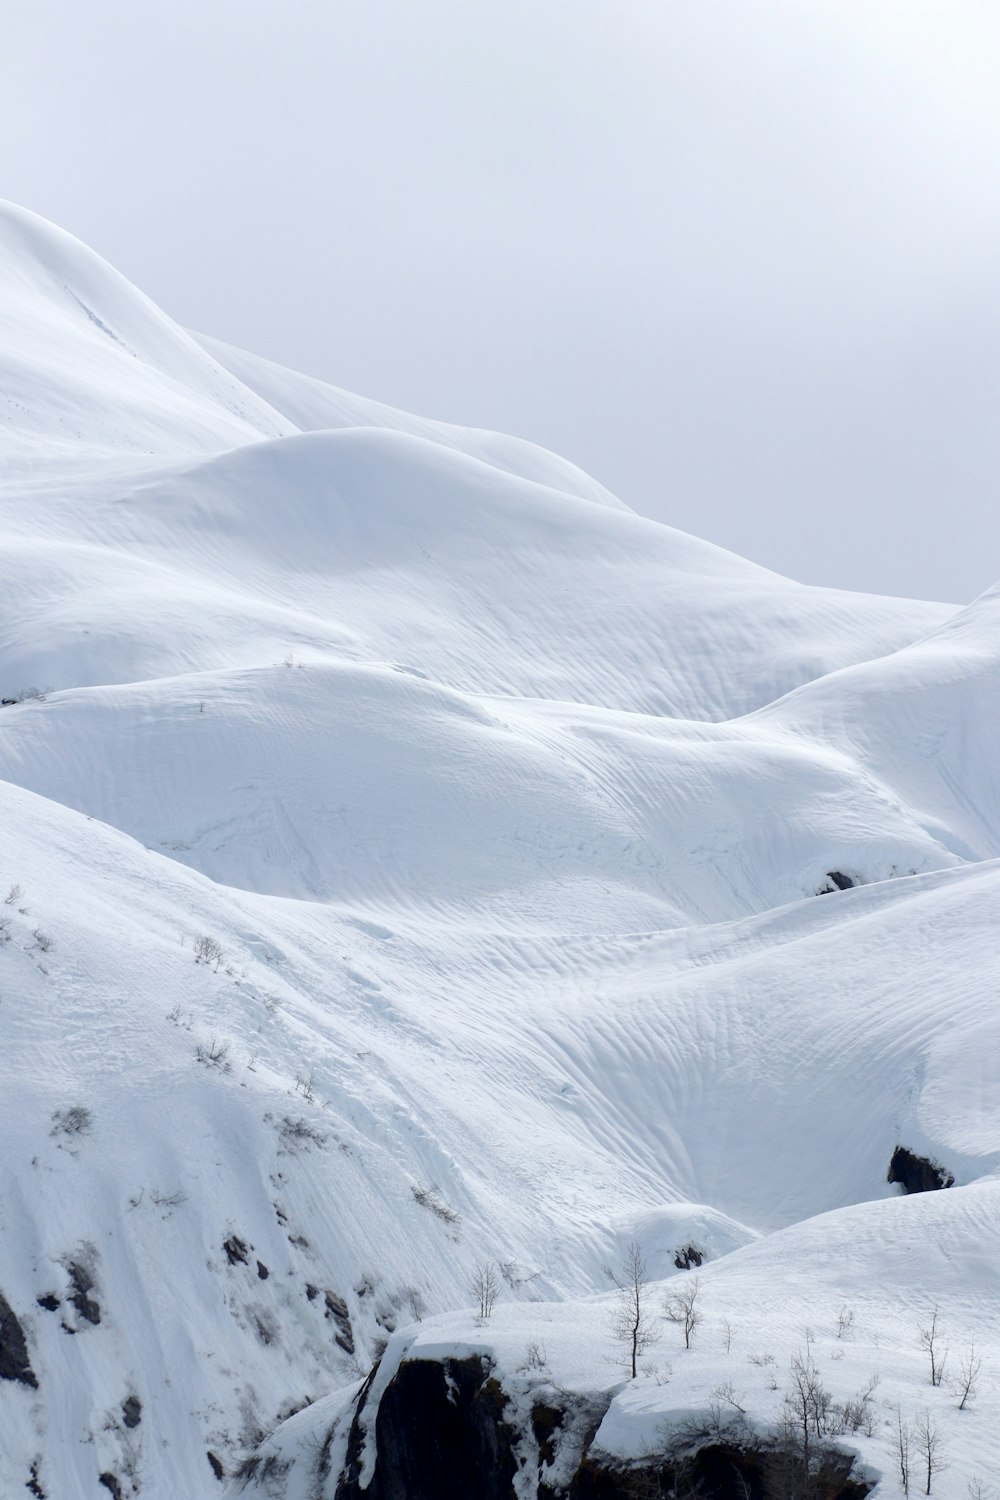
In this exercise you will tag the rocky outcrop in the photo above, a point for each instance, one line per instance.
(917, 1174)
(337, 1310)
(836, 880)
(445, 1429)
(81, 1284)
(14, 1361)
(686, 1257)
(440, 1435)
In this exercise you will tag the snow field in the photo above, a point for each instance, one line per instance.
(507, 810)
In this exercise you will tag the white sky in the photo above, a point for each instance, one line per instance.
(737, 258)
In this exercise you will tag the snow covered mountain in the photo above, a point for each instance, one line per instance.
(411, 860)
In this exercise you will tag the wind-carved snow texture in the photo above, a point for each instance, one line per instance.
(412, 859)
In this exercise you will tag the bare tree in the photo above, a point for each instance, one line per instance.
(857, 1413)
(305, 1083)
(631, 1323)
(484, 1286)
(930, 1339)
(927, 1441)
(807, 1405)
(968, 1375)
(727, 1393)
(681, 1308)
(845, 1321)
(901, 1448)
(13, 896)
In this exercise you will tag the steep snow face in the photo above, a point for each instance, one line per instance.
(418, 858)
(90, 364)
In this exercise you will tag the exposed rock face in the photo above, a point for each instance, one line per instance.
(445, 1430)
(836, 880)
(237, 1250)
(723, 1471)
(337, 1310)
(917, 1174)
(14, 1361)
(440, 1435)
(81, 1285)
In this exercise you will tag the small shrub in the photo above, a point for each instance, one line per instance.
(168, 1200)
(214, 1055)
(534, 1357)
(297, 1132)
(76, 1120)
(430, 1198)
(208, 950)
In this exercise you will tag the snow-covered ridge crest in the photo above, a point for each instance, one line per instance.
(412, 858)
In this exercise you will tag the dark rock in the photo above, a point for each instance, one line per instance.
(131, 1411)
(836, 881)
(336, 1308)
(111, 1483)
(312, 1292)
(237, 1250)
(33, 1484)
(687, 1257)
(442, 1433)
(217, 1467)
(917, 1174)
(262, 1271)
(723, 1471)
(545, 1423)
(14, 1361)
(264, 1327)
(439, 1435)
(81, 1283)
(49, 1301)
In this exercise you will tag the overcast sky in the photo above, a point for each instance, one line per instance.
(737, 258)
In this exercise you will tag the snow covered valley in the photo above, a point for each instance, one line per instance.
(418, 867)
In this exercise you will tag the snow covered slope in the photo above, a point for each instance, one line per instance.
(419, 858)
(846, 1295)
